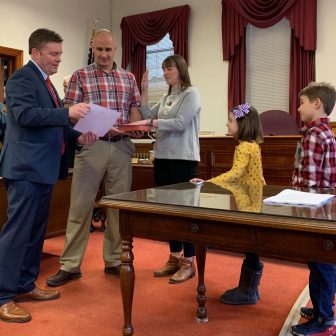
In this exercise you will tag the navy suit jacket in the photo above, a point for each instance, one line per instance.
(36, 129)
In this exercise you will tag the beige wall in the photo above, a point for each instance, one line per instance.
(72, 19)
(326, 44)
(208, 71)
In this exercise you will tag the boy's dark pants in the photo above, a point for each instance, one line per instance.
(322, 289)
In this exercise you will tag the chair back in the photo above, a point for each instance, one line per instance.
(277, 122)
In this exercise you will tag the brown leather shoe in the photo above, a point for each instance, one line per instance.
(171, 266)
(187, 270)
(38, 294)
(10, 312)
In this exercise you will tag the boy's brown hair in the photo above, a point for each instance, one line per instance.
(322, 90)
(249, 126)
(182, 68)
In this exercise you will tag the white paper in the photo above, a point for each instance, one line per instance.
(300, 198)
(99, 120)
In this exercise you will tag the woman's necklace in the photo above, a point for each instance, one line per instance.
(173, 96)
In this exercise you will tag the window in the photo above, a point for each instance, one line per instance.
(268, 66)
(155, 54)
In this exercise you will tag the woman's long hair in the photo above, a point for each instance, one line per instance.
(182, 67)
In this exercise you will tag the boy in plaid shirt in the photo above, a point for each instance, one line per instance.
(315, 166)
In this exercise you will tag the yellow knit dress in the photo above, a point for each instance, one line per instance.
(246, 167)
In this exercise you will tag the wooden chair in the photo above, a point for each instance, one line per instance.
(277, 122)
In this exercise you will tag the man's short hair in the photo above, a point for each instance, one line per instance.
(40, 37)
(322, 90)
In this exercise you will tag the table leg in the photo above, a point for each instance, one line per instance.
(202, 314)
(127, 284)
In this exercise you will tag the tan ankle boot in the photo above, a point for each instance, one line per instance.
(187, 270)
(171, 266)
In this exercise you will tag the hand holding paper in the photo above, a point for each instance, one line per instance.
(87, 138)
(78, 111)
(113, 131)
(99, 120)
(135, 129)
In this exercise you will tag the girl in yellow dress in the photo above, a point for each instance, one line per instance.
(244, 125)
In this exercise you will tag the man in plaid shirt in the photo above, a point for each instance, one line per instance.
(108, 160)
(315, 165)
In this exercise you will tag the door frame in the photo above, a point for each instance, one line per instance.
(15, 61)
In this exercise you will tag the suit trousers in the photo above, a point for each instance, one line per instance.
(22, 237)
(107, 162)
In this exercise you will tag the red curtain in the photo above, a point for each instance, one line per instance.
(141, 30)
(236, 14)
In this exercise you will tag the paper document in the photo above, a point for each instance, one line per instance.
(99, 120)
(300, 198)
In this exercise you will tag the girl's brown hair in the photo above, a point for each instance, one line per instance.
(182, 67)
(249, 126)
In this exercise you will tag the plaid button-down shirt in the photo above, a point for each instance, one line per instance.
(315, 159)
(116, 90)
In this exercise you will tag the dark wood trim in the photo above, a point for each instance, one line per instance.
(270, 235)
(234, 217)
(16, 54)
(217, 156)
(15, 61)
(333, 125)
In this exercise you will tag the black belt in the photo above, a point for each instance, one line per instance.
(114, 138)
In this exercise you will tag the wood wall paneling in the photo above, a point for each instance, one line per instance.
(59, 207)
(216, 158)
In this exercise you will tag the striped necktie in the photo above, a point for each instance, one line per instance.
(52, 92)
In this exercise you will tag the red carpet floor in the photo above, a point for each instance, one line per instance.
(92, 305)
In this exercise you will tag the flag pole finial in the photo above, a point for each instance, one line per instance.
(93, 30)
(93, 33)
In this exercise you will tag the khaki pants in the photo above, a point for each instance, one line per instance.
(109, 162)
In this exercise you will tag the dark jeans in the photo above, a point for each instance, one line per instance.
(170, 172)
(322, 289)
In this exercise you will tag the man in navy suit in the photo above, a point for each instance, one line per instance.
(2, 126)
(33, 157)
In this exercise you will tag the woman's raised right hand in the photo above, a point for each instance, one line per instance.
(144, 81)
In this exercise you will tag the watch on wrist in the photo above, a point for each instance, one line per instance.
(151, 123)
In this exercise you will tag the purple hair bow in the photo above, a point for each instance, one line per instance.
(241, 111)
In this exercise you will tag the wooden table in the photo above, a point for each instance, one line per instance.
(228, 217)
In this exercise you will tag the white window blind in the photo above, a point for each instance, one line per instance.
(267, 66)
(155, 55)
